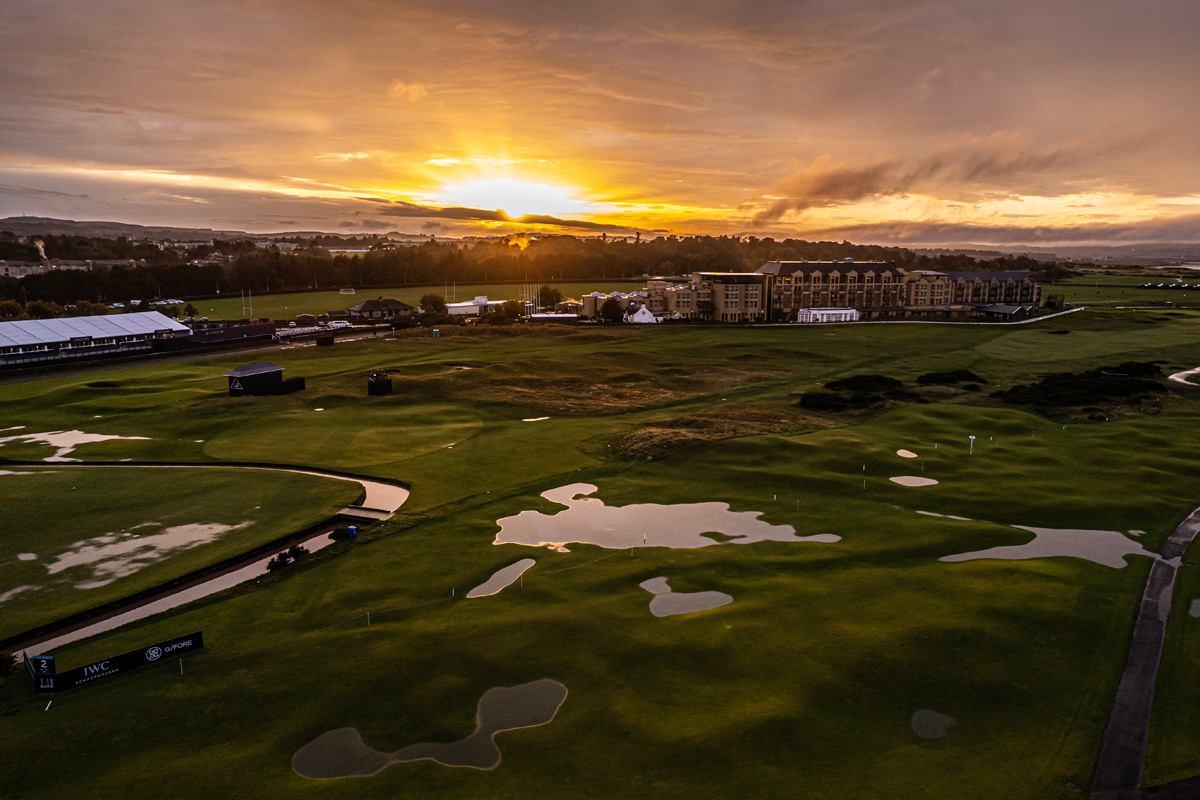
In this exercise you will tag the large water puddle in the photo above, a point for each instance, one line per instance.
(929, 724)
(342, 753)
(116, 555)
(587, 520)
(502, 578)
(913, 480)
(1101, 547)
(667, 603)
(65, 442)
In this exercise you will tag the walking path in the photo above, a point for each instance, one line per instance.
(1123, 752)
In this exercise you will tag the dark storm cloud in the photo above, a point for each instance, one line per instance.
(412, 210)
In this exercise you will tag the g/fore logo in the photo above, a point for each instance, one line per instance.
(173, 647)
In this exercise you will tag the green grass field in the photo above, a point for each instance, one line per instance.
(97, 515)
(287, 306)
(802, 687)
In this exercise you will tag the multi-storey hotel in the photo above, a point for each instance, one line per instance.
(782, 291)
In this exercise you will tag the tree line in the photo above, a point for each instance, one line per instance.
(166, 273)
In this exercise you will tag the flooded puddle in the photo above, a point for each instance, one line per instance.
(906, 454)
(116, 555)
(502, 578)
(342, 753)
(11, 593)
(1108, 548)
(913, 480)
(64, 442)
(667, 603)
(587, 520)
(930, 724)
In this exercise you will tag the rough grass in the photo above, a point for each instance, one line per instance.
(803, 686)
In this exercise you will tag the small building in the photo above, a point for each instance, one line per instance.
(827, 315)
(306, 320)
(73, 338)
(380, 310)
(469, 308)
(640, 316)
(259, 378)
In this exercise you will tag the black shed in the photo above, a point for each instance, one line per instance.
(261, 377)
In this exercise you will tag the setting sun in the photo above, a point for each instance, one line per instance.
(515, 198)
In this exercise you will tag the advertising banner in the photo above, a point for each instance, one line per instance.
(107, 667)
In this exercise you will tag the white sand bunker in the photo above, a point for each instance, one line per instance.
(1195, 609)
(667, 603)
(342, 753)
(930, 724)
(16, 472)
(535, 419)
(64, 441)
(115, 555)
(906, 454)
(913, 480)
(588, 520)
(1102, 547)
(502, 578)
(11, 593)
(27, 556)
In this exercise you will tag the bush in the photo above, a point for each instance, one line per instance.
(823, 401)
(865, 383)
(945, 378)
(278, 562)
(1129, 381)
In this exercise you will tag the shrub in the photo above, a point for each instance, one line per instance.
(953, 376)
(865, 383)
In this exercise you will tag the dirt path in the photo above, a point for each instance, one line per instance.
(1123, 752)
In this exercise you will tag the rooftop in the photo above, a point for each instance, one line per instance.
(107, 326)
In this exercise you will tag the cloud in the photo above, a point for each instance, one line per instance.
(1181, 229)
(399, 90)
(413, 210)
(825, 184)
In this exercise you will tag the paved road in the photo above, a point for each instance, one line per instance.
(1123, 751)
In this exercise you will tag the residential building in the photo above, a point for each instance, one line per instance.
(379, 310)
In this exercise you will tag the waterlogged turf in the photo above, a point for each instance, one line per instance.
(79, 538)
(806, 685)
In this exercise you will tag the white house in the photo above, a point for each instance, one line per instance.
(827, 315)
(641, 315)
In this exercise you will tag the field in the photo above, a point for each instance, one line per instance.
(803, 686)
(287, 306)
(1125, 290)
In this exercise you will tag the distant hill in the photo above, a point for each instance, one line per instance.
(30, 226)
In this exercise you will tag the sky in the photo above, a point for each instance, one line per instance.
(914, 122)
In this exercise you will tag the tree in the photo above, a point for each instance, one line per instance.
(433, 304)
(548, 296)
(190, 310)
(11, 309)
(706, 307)
(511, 309)
(41, 310)
(611, 310)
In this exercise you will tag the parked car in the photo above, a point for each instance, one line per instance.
(338, 324)
(292, 324)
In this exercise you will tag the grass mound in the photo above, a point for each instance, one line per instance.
(865, 383)
(1127, 384)
(726, 422)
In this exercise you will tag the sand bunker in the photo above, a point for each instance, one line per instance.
(1102, 547)
(11, 593)
(930, 724)
(588, 520)
(342, 753)
(115, 555)
(913, 480)
(906, 454)
(667, 603)
(15, 472)
(534, 419)
(64, 441)
(1195, 609)
(502, 578)
(27, 556)
(1182, 377)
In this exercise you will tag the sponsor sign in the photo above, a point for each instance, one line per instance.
(107, 667)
